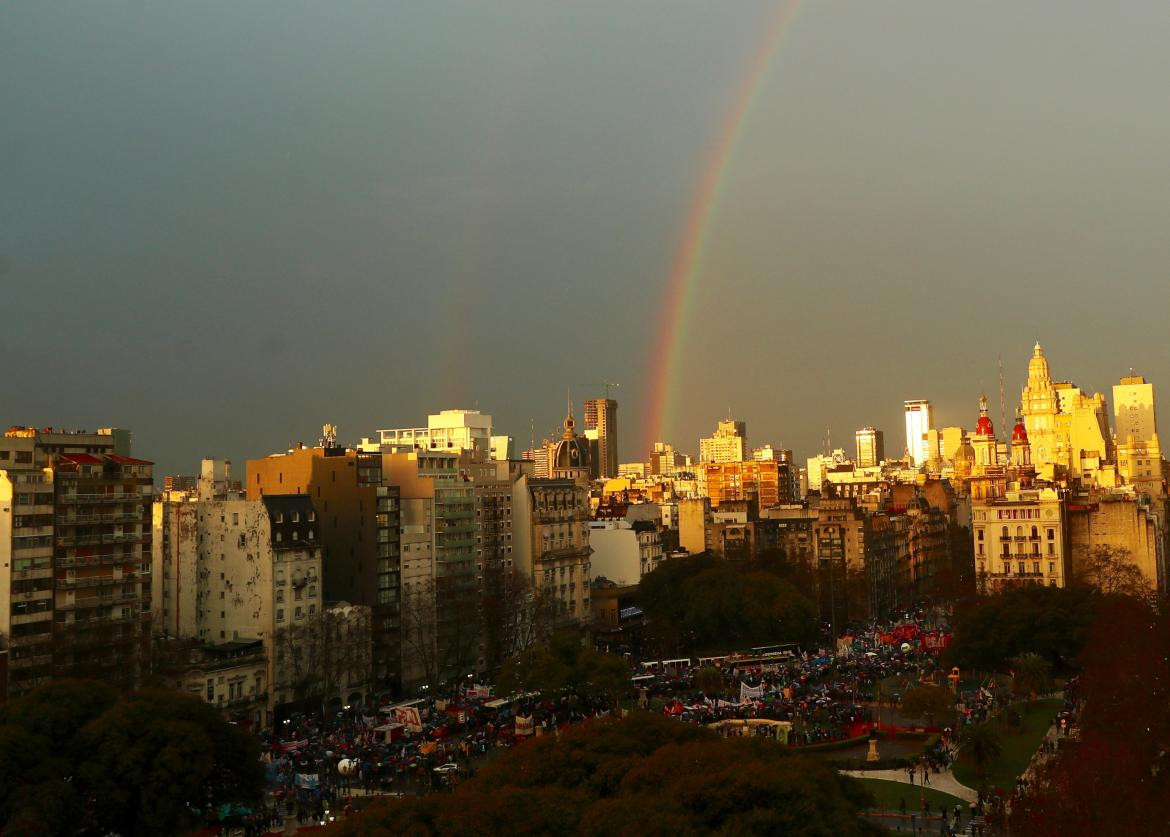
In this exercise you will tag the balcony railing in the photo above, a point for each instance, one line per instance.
(80, 497)
(96, 560)
(96, 580)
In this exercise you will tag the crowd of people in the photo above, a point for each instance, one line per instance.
(321, 765)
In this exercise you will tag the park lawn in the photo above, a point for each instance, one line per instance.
(889, 795)
(1018, 748)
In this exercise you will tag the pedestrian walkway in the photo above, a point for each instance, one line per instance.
(944, 781)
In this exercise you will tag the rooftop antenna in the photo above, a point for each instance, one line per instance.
(1002, 399)
(828, 441)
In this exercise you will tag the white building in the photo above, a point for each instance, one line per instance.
(919, 421)
(623, 552)
(231, 571)
(729, 444)
(451, 430)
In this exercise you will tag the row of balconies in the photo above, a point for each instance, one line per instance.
(102, 538)
(100, 580)
(97, 601)
(97, 560)
(79, 497)
(98, 619)
(111, 517)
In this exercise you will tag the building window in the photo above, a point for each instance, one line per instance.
(1051, 534)
(280, 614)
(1052, 568)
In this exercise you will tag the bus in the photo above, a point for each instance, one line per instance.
(784, 649)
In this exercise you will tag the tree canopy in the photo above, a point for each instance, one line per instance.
(929, 702)
(701, 601)
(642, 775)
(1124, 741)
(564, 663)
(73, 752)
(1052, 622)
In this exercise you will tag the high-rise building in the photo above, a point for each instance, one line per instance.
(601, 416)
(232, 573)
(871, 447)
(1065, 425)
(919, 420)
(729, 444)
(75, 545)
(360, 560)
(1133, 409)
(665, 460)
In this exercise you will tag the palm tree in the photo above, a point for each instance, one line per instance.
(982, 745)
(1031, 675)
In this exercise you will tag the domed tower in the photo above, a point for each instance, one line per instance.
(570, 458)
(1039, 406)
(964, 459)
(984, 442)
(1022, 451)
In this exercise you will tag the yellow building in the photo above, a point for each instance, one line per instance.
(1020, 538)
(1066, 427)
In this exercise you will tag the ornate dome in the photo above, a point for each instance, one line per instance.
(964, 452)
(984, 427)
(570, 451)
(1019, 432)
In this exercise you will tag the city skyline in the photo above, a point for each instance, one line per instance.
(864, 212)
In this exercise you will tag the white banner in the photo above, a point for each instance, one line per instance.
(747, 692)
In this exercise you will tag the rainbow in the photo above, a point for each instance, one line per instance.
(688, 257)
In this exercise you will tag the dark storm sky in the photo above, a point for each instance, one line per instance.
(223, 224)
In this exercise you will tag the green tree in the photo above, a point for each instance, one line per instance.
(1031, 675)
(565, 663)
(929, 702)
(982, 745)
(133, 762)
(642, 775)
(710, 681)
(1050, 621)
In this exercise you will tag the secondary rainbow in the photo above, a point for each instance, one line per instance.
(687, 261)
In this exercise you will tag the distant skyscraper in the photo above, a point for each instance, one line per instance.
(871, 447)
(729, 444)
(601, 416)
(919, 420)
